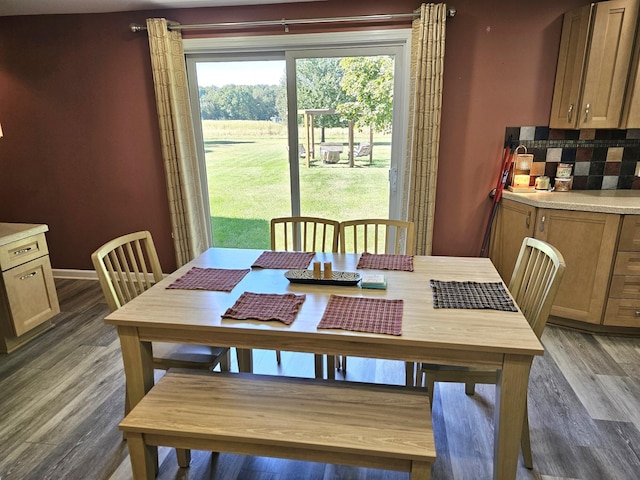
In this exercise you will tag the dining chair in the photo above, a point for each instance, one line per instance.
(534, 285)
(126, 267)
(305, 234)
(377, 236)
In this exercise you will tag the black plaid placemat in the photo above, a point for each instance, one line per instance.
(491, 295)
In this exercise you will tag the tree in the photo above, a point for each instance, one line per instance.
(368, 86)
(209, 108)
(238, 102)
(318, 86)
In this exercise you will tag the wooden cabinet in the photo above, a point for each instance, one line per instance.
(587, 240)
(623, 306)
(631, 114)
(28, 296)
(514, 221)
(593, 65)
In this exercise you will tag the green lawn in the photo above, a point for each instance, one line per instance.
(248, 178)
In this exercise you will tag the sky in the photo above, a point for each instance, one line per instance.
(240, 73)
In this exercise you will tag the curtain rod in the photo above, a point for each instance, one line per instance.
(285, 23)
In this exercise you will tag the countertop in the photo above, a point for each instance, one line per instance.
(10, 232)
(624, 202)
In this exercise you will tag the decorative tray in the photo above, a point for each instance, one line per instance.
(337, 278)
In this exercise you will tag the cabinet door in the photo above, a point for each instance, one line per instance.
(513, 222)
(587, 240)
(631, 114)
(608, 64)
(570, 70)
(31, 294)
(623, 308)
(630, 234)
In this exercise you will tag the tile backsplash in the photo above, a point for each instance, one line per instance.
(600, 159)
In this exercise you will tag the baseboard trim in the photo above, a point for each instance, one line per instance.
(70, 274)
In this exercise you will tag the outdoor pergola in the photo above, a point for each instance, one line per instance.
(308, 117)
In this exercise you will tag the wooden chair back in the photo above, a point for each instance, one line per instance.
(126, 267)
(377, 236)
(536, 280)
(308, 234)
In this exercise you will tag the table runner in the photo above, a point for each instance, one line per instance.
(220, 279)
(266, 306)
(386, 262)
(361, 314)
(284, 260)
(472, 295)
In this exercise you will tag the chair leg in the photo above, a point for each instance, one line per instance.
(184, 457)
(331, 367)
(430, 383)
(469, 388)
(278, 357)
(225, 362)
(318, 365)
(410, 374)
(525, 440)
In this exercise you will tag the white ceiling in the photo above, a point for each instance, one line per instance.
(44, 7)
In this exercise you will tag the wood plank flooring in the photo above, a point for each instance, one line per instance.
(61, 398)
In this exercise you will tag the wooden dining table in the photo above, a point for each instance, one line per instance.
(454, 336)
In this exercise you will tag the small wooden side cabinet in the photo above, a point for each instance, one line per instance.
(28, 298)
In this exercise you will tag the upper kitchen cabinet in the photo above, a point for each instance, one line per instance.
(631, 114)
(593, 65)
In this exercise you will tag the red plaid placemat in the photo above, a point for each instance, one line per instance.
(361, 314)
(386, 262)
(266, 306)
(284, 260)
(219, 279)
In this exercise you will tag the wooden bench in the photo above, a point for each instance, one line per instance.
(365, 425)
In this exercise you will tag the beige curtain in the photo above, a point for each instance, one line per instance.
(189, 222)
(427, 58)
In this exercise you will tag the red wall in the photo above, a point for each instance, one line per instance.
(81, 152)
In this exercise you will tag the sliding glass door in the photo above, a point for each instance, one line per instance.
(298, 131)
(244, 140)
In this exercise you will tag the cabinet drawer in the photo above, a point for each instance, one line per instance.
(21, 251)
(622, 312)
(31, 294)
(630, 234)
(625, 286)
(627, 263)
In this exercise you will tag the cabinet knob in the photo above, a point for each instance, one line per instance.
(542, 220)
(528, 220)
(637, 313)
(21, 251)
(28, 275)
(570, 113)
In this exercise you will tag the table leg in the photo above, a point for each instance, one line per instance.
(137, 358)
(511, 395)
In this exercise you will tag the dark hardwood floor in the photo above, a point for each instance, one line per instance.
(61, 398)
